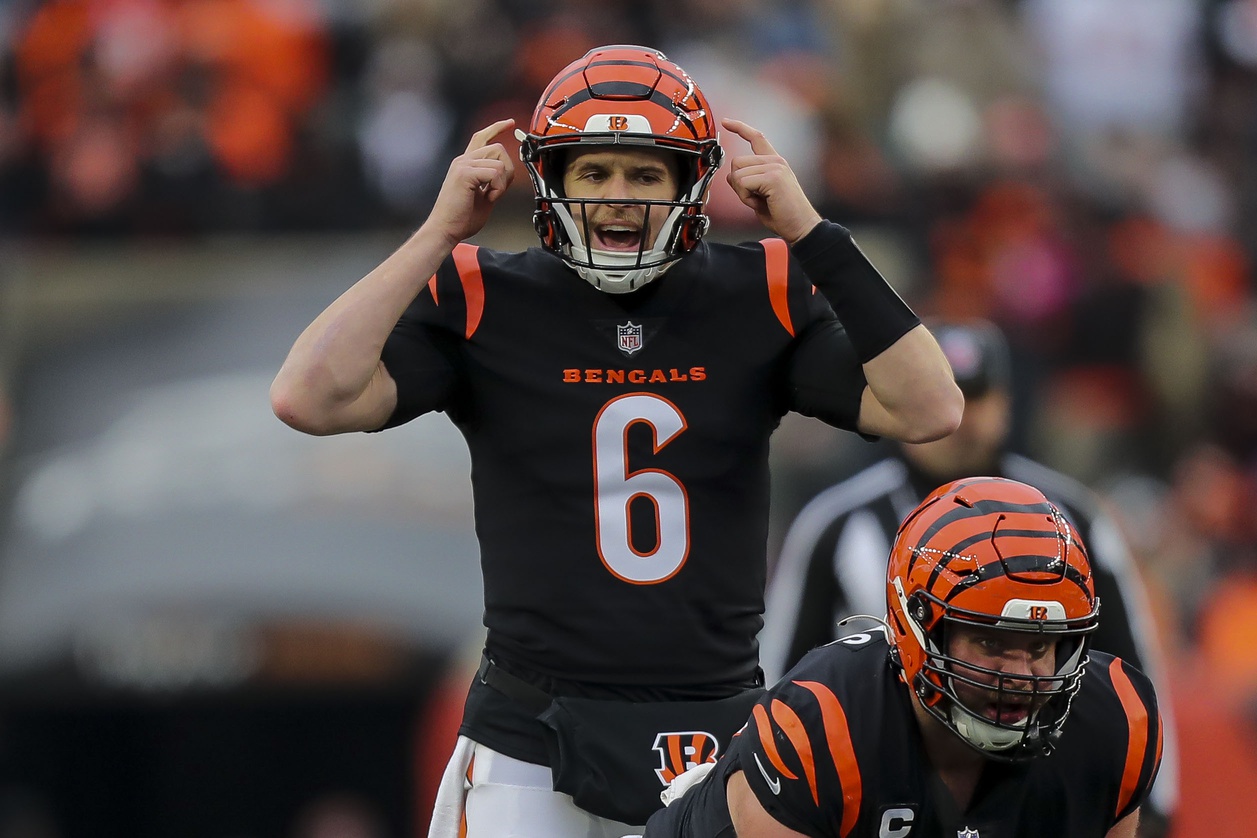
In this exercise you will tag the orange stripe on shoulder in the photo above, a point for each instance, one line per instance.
(841, 749)
(766, 740)
(777, 265)
(793, 727)
(1137, 723)
(468, 264)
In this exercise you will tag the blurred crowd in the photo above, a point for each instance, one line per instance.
(158, 117)
(1081, 172)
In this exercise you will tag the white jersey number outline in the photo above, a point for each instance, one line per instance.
(616, 486)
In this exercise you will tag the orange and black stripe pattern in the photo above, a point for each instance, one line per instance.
(990, 540)
(1144, 742)
(625, 80)
(810, 758)
(467, 262)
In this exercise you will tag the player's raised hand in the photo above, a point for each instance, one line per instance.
(476, 179)
(766, 183)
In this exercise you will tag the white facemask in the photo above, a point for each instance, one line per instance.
(618, 272)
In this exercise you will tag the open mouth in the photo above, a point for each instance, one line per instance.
(617, 236)
(1006, 714)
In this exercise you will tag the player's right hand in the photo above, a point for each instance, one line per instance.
(476, 179)
(764, 181)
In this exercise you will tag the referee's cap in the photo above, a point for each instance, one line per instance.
(978, 353)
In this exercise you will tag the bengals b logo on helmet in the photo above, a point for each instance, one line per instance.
(681, 751)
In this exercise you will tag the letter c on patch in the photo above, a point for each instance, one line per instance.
(896, 823)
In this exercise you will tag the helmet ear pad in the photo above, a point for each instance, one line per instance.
(547, 226)
(551, 164)
(920, 609)
(690, 230)
(694, 225)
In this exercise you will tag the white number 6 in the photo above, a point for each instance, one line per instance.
(616, 487)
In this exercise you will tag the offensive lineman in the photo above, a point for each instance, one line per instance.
(978, 711)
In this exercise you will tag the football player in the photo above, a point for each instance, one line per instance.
(617, 387)
(975, 709)
(833, 560)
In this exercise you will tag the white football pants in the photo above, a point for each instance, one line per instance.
(509, 798)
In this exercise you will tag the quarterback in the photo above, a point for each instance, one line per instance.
(616, 386)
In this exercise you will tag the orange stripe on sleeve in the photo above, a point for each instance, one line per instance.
(468, 265)
(838, 736)
(777, 263)
(792, 725)
(432, 288)
(1137, 722)
(769, 744)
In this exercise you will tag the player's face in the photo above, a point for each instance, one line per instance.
(621, 177)
(1010, 659)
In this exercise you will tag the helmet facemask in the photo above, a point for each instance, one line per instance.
(1029, 710)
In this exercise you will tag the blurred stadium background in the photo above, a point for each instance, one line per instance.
(213, 627)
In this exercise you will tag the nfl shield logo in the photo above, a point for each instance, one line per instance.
(629, 337)
(967, 833)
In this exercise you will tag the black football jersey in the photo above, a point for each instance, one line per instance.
(619, 447)
(834, 751)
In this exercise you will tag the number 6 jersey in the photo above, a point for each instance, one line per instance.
(619, 447)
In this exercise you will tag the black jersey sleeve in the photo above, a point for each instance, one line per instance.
(826, 378)
(799, 760)
(421, 354)
(872, 311)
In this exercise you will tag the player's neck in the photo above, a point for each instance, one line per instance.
(957, 765)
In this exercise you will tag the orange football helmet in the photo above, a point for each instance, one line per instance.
(621, 96)
(994, 553)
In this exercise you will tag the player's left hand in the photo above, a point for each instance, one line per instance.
(764, 181)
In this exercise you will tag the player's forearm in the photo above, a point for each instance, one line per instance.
(332, 380)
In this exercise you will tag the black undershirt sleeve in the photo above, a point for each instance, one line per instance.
(869, 309)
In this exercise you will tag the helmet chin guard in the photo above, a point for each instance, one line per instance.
(618, 272)
(982, 734)
(627, 97)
